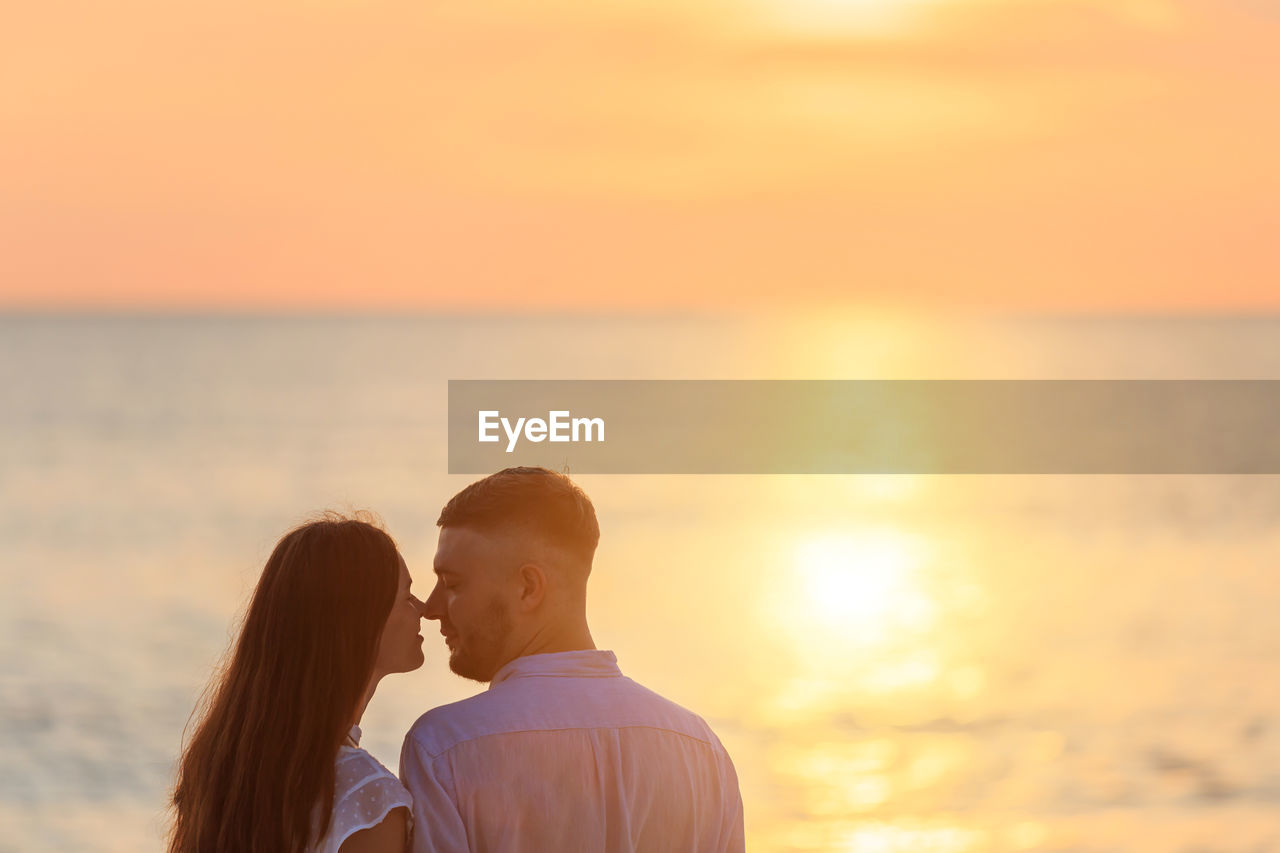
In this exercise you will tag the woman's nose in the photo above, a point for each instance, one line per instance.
(418, 606)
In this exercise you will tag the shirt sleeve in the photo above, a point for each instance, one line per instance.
(366, 803)
(733, 833)
(438, 825)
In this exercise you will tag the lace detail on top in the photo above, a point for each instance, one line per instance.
(364, 793)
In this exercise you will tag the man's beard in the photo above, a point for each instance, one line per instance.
(479, 657)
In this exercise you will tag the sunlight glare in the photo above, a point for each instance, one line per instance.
(863, 585)
(860, 617)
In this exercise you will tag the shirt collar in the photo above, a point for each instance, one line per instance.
(587, 663)
(354, 734)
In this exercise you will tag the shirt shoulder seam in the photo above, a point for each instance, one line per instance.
(714, 747)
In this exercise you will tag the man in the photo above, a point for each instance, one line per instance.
(562, 752)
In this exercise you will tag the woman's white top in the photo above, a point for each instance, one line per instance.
(364, 793)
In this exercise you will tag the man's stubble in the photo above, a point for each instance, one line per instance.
(479, 659)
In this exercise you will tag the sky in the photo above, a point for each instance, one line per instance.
(666, 155)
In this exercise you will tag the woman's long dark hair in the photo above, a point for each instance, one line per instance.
(261, 757)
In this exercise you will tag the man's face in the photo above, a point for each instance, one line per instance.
(471, 599)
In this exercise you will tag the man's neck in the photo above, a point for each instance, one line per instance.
(553, 639)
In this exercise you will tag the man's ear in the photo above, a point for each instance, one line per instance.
(532, 579)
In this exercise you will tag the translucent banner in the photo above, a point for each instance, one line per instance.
(866, 427)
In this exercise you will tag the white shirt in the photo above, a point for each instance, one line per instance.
(364, 793)
(564, 753)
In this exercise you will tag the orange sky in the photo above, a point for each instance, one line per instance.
(667, 154)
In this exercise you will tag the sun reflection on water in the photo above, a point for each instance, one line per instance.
(869, 617)
(861, 588)
(878, 620)
(891, 838)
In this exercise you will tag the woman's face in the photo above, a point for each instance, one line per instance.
(400, 649)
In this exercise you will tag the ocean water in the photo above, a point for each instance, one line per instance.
(895, 663)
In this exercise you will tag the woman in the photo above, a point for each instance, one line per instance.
(274, 763)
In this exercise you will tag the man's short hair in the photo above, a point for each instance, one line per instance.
(536, 499)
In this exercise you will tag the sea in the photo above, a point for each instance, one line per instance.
(940, 664)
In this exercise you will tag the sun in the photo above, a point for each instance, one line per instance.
(843, 17)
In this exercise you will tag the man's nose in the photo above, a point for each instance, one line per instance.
(431, 608)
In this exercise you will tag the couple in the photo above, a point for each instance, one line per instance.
(561, 753)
